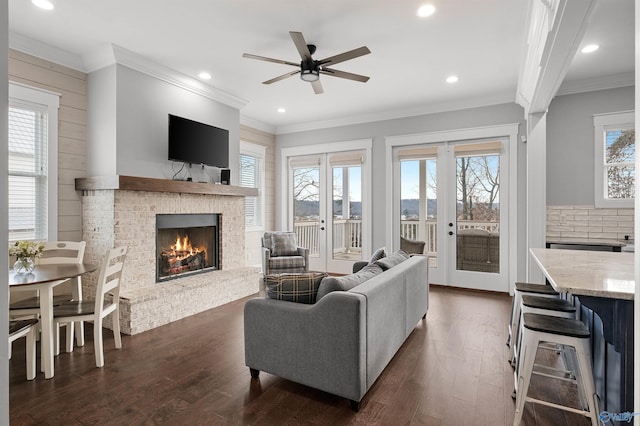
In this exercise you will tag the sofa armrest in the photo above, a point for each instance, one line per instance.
(359, 265)
(321, 345)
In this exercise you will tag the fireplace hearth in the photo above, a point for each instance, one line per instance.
(186, 244)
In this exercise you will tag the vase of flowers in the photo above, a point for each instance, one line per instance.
(25, 253)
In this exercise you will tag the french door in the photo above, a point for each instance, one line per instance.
(329, 208)
(453, 196)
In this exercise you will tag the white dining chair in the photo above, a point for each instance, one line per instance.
(25, 328)
(103, 305)
(56, 252)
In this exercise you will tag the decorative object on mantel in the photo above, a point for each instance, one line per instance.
(25, 253)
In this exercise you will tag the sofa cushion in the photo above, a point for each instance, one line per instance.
(283, 244)
(392, 260)
(474, 231)
(300, 288)
(347, 282)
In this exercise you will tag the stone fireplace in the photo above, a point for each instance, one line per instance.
(123, 210)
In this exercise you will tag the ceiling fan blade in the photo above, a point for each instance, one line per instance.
(336, 59)
(263, 58)
(301, 45)
(317, 87)
(282, 77)
(343, 74)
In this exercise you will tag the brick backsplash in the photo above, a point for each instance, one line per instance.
(118, 217)
(589, 222)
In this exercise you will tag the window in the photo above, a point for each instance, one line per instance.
(252, 175)
(615, 147)
(32, 146)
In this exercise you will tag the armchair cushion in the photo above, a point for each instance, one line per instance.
(286, 262)
(300, 288)
(284, 244)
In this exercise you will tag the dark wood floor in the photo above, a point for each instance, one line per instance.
(452, 370)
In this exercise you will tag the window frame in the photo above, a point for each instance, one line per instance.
(21, 95)
(602, 123)
(259, 152)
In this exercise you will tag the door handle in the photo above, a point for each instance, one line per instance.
(322, 228)
(450, 232)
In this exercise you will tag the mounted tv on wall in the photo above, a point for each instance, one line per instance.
(197, 143)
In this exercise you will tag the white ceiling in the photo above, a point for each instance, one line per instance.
(481, 41)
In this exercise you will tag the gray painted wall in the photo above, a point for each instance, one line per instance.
(570, 144)
(453, 120)
(129, 122)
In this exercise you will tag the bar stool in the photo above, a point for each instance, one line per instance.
(559, 308)
(537, 329)
(540, 290)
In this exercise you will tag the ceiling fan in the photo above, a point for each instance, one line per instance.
(310, 69)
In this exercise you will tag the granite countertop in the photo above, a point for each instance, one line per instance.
(588, 273)
(588, 241)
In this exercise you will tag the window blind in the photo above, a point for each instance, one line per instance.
(27, 145)
(250, 177)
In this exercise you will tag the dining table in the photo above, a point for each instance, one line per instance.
(44, 278)
(602, 287)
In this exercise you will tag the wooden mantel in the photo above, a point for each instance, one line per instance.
(134, 183)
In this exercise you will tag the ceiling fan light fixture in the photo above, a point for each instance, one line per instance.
(310, 75)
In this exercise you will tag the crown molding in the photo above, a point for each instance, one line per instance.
(257, 124)
(139, 63)
(554, 30)
(109, 54)
(45, 51)
(496, 99)
(597, 83)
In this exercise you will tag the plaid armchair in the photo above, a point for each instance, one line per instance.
(281, 254)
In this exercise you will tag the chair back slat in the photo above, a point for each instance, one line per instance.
(62, 252)
(109, 279)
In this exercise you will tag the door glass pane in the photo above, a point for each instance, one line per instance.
(478, 213)
(347, 213)
(306, 207)
(419, 204)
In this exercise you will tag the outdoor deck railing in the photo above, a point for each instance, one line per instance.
(347, 233)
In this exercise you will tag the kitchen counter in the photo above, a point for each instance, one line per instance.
(590, 273)
(602, 287)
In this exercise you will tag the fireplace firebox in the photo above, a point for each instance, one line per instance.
(186, 244)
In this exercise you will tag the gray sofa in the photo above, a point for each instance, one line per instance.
(342, 343)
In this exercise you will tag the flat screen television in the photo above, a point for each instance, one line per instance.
(198, 143)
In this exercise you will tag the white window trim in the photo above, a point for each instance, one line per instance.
(601, 123)
(258, 151)
(51, 101)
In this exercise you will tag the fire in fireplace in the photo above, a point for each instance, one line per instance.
(186, 244)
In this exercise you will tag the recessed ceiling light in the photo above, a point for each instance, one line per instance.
(452, 79)
(43, 4)
(282, 110)
(204, 75)
(426, 10)
(590, 48)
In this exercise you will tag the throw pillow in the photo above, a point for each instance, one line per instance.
(377, 255)
(300, 288)
(283, 244)
(347, 282)
(392, 260)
